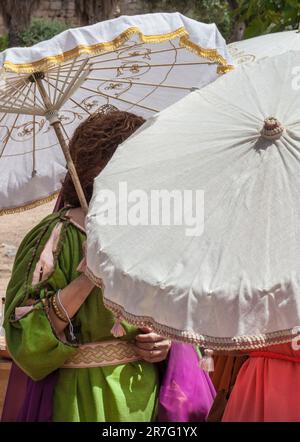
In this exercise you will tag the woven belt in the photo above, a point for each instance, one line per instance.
(103, 354)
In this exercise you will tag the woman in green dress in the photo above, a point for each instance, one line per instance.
(55, 317)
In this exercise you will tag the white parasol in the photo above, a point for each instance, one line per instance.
(236, 285)
(263, 46)
(140, 64)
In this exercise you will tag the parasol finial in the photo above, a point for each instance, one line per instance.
(272, 129)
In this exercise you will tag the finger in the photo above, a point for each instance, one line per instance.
(148, 355)
(152, 356)
(146, 329)
(161, 345)
(149, 337)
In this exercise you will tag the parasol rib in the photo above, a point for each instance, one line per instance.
(35, 98)
(163, 80)
(119, 99)
(33, 149)
(112, 80)
(30, 151)
(58, 131)
(13, 95)
(56, 83)
(8, 107)
(126, 57)
(147, 65)
(21, 90)
(68, 76)
(74, 84)
(79, 58)
(33, 139)
(130, 56)
(70, 98)
(8, 136)
(65, 132)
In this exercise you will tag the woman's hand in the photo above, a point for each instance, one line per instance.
(152, 347)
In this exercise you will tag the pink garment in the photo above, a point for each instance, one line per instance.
(266, 390)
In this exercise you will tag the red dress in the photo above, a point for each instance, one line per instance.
(267, 388)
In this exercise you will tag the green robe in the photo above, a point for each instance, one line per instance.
(115, 393)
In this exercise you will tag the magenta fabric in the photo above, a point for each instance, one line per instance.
(15, 394)
(27, 400)
(38, 402)
(186, 393)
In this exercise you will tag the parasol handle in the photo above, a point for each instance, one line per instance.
(57, 129)
(71, 166)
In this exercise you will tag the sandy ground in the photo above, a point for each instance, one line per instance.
(13, 228)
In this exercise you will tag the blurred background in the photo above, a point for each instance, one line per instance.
(26, 22)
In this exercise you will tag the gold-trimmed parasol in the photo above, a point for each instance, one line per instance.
(140, 64)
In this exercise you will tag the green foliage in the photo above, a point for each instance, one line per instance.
(207, 11)
(41, 29)
(3, 42)
(215, 11)
(264, 16)
(259, 16)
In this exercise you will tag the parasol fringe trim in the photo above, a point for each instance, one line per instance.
(45, 63)
(29, 206)
(245, 342)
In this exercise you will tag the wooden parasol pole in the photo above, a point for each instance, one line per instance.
(55, 123)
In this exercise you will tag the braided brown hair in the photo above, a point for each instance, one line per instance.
(92, 146)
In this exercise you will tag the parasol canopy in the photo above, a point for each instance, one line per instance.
(263, 46)
(140, 64)
(233, 283)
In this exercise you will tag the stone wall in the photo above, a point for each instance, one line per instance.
(59, 9)
(65, 10)
(132, 7)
